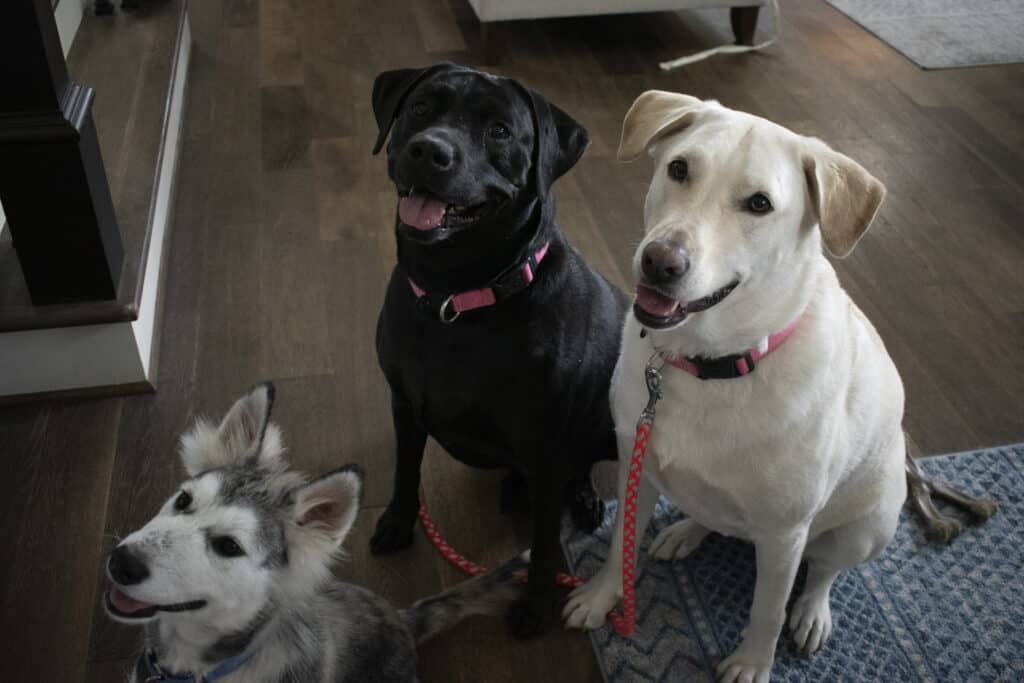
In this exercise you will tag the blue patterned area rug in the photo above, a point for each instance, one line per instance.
(920, 612)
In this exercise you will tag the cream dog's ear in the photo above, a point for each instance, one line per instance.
(845, 197)
(655, 114)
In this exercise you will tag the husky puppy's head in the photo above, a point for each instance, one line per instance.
(242, 535)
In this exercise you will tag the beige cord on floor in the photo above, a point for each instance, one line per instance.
(727, 49)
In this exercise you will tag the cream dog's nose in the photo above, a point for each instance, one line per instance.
(664, 262)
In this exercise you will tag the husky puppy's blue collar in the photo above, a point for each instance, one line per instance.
(150, 671)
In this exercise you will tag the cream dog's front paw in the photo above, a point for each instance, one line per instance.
(678, 540)
(810, 621)
(589, 604)
(746, 665)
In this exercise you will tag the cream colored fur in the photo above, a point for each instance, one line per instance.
(803, 457)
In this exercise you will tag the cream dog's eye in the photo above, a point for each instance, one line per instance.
(678, 169)
(758, 203)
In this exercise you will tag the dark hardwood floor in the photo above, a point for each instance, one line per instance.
(282, 244)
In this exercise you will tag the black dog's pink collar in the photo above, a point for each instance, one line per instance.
(511, 281)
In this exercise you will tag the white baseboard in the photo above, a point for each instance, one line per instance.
(78, 358)
(145, 325)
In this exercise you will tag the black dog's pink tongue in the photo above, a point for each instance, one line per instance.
(421, 210)
(125, 604)
(654, 302)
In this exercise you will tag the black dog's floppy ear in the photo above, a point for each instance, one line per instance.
(560, 142)
(389, 91)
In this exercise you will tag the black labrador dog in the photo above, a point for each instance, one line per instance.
(496, 337)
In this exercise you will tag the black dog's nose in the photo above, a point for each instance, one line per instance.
(664, 262)
(125, 568)
(432, 152)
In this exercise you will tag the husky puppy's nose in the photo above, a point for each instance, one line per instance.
(431, 152)
(664, 262)
(125, 568)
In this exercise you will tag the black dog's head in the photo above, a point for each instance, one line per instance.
(467, 148)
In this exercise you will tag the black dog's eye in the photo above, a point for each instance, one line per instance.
(499, 131)
(183, 500)
(419, 108)
(225, 546)
(678, 170)
(758, 203)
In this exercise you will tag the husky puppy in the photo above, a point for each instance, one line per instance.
(232, 578)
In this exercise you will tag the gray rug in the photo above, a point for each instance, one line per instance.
(920, 612)
(943, 34)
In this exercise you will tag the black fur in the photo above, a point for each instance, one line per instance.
(521, 385)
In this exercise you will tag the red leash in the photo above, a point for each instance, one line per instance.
(625, 623)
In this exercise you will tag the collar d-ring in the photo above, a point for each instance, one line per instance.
(447, 312)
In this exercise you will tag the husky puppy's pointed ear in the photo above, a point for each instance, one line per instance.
(655, 114)
(389, 91)
(244, 427)
(244, 433)
(844, 196)
(560, 140)
(330, 504)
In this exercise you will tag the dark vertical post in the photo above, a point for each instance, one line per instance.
(744, 23)
(52, 182)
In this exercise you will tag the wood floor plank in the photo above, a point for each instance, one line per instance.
(330, 115)
(48, 597)
(235, 131)
(116, 671)
(437, 26)
(241, 13)
(286, 127)
(22, 434)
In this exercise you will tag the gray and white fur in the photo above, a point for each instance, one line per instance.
(239, 561)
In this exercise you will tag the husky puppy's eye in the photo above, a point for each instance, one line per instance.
(499, 131)
(758, 203)
(678, 170)
(183, 501)
(225, 546)
(419, 108)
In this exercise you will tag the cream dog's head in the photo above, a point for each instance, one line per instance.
(735, 215)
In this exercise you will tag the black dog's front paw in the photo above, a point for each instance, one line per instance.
(532, 615)
(585, 507)
(393, 532)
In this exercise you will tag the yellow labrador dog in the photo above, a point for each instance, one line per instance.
(780, 421)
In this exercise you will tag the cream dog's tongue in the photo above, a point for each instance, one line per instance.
(421, 210)
(655, 302)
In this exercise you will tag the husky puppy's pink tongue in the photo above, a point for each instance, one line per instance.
(654, 302)
(125, 604)
(421, 210)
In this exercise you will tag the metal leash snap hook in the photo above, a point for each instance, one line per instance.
(446, 305)
(652, 377)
